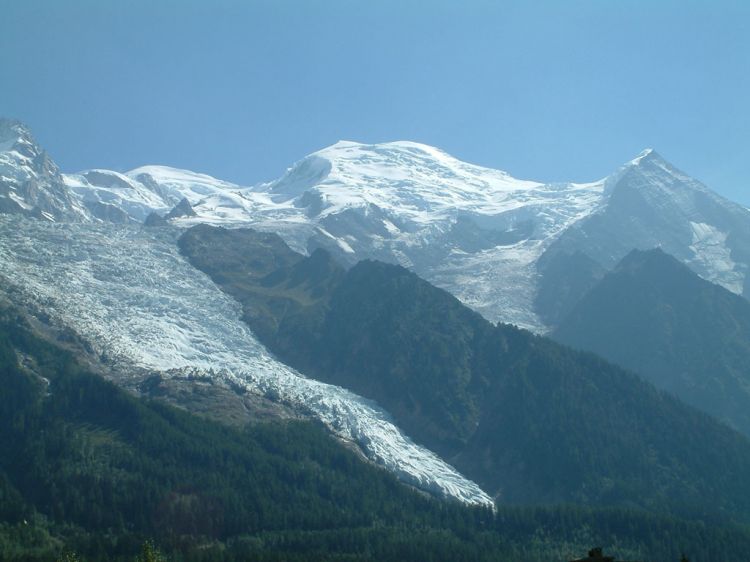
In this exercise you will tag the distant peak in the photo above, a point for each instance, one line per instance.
(13, 129)
(8, 123)
(647, 155)
(643, 154)
(647, 162)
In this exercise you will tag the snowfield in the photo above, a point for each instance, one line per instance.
(477, 232)
(456, 224)
(131, 295)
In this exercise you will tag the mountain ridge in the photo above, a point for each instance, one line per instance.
(477, 232)
(528, 419)
(653, 315)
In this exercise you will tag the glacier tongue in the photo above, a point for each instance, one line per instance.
(129, 292)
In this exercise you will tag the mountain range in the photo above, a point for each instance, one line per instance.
(495, 242)
(401, 297)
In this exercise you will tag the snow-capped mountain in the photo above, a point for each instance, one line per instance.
(459, 225)
(649, 203)
(473, 231)
(153, 189)
(477, 232)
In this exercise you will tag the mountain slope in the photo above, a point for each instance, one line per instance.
(89, 456)
(459, 225)
(143, 310)
(479, 233)
(400, 202)
(650, 203)
(657, 318)
(530, 420)
(90, 467)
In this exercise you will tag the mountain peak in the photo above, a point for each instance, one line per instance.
(638, 258)
(649, 156)
(15, 134)
(644, 154)
(651, 165)
(12, 128)
(182, 209)
(395, 146)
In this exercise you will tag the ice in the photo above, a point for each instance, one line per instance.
(132, 296)
(715, 258)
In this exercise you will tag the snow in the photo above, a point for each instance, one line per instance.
(132, 296)
(714, 257)
(513, 271)
(183, 182)
(418, 180)
(409, 196)
(473, 231)
(643, 154)
(137, 202)
(18, 199)
(29, 178)
(396, 202)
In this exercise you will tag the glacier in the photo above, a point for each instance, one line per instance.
(476, 232)
(137, 302)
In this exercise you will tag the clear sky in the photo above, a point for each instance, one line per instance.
(552, 91)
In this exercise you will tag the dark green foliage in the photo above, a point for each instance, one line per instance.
(89, 469)
(530, 420)
(565, 426)
(150, 553)
(389, 338)
(657, 318)
(84, 453)
(281, 291)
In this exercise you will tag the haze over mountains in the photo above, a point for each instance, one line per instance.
(654, 316)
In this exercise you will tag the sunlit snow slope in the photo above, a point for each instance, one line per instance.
(494, 241)
(127, 290)
(474, 231)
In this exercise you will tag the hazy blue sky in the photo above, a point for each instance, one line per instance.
(560, 90)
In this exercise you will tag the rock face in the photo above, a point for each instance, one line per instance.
(30, 182)
(182, 209)
(155, 219)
